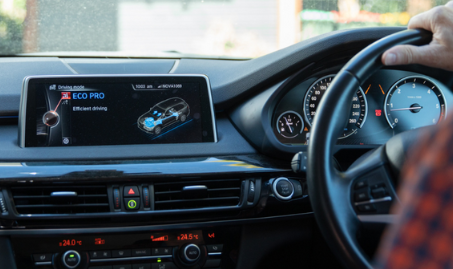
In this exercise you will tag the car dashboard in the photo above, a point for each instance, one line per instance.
(232, 203)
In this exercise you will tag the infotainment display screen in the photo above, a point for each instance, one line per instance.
(116, 110)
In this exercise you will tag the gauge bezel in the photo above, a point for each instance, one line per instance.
(301, 120)
(333, 76)
(431, 80)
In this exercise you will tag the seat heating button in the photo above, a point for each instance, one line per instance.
(42, 257)
(141, 266)
(122, 266)
(163, 265)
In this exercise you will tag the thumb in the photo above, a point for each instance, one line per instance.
(406, 54)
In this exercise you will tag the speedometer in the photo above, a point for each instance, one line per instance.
(358, 109)
(414, 102)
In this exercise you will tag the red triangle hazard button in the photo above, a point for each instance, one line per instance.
(130, 191)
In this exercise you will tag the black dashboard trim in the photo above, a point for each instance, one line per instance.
(147, 228)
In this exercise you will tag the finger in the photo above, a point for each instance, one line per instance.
(434, 17)
(408, 54)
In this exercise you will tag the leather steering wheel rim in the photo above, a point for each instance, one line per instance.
(329, 189)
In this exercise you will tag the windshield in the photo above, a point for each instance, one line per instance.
(163, 28)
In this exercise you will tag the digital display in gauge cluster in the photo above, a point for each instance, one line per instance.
(388, 103)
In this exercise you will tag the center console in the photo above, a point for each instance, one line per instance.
(207, 248)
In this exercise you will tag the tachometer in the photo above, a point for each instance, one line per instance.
(358, 108)
(414, 102)
(290, 124)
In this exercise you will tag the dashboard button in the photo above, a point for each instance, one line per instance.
(214, 248)
(42, 257)
(163, 265)
(71, 259)
(130, 191)
(141, 266)
(141, 252)
(283, 188)
(161, 251)
(132, 203)
(121, 253)
(251, 192)
(101, 267)
(212, 263)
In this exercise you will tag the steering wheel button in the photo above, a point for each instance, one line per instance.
(360, 184)
(362, 196)
(366, 208)
(378, 193)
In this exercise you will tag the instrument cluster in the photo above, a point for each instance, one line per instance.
(389, 102)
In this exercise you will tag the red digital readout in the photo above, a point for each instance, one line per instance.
(99, 241)
(70, 242)
(160, 238)
(184, 237)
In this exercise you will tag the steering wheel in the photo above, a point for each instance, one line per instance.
(332, 192)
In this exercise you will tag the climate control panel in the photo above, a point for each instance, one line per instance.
(161, 250)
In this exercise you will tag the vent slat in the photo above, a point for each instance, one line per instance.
(220, 193)
(37, 200)
(63, 206)
(197, 200)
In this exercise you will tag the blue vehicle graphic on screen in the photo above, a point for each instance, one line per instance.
(163, 114)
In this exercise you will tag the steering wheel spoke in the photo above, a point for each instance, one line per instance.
(372, 190)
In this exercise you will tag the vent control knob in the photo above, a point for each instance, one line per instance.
(71, 259)
(283, 188)
(190, 253)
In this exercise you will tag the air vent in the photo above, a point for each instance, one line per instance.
(60, 200)
(200, 194)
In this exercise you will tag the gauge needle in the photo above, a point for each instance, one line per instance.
(289, 125)
(408, 108)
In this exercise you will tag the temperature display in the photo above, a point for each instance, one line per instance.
(189, 236)
(70, 243)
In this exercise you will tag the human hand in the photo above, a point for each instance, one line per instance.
(439, 53)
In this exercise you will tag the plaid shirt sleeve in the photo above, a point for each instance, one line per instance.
(423, 234)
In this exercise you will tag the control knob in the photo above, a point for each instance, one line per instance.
(190, 253)
(71, 259)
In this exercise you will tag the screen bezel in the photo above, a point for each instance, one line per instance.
(27, 131)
